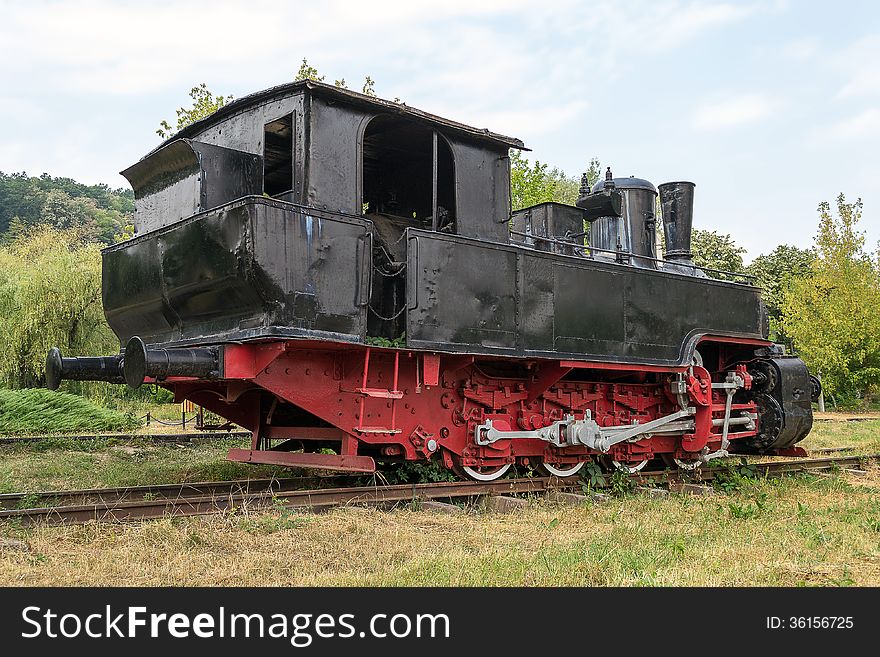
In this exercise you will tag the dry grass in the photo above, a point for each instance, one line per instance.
(804, 530)
(60, 464)
(837, 432)
(799, 531)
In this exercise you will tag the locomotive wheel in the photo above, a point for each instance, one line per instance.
(771, 421)
(767, 374)
(566, 470)
(671, 462)
(485, 473)
(688, 465)
(630, 468)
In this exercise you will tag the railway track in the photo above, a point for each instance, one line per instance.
(190, 499)
(148, 437)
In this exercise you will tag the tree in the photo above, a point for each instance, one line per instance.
(204, 104)
(50, 295)
(833, 313)
(716, 251)
(308, 72)
(28, 201)
(774, 273)
(531, 184)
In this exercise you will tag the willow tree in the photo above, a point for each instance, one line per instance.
(50, 295)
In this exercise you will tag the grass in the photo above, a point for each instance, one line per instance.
(864, 435)
(60, 463)
(805, 530)
(800, 531)
(37, 411)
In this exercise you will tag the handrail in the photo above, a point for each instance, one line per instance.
(632, 255)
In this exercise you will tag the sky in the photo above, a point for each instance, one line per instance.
(769, 107)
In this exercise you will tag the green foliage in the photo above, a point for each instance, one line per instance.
(204, 104)
(308, 72)
(593, 476)
(748, 510)
(773, 274)
(416, 472)
(732, 476)
(832, 314)
(399, 341)
(531, 184)
(620, 482)
(50, 295)
(716, 251)
(35, 410)
(26, 201)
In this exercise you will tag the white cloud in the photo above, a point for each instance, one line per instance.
(733, 110)
(859, 62)
(114, 48)
(800, 49)
(509, 65)
(862, 125)
(533, 121)
(21, 109)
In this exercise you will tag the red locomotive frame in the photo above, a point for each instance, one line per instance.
(372, 403)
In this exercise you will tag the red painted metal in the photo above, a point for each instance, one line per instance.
(431, 369)
(373, 402)
(798, 452)
(344, 462)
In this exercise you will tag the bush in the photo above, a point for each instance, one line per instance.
(50, 295)
(36, 411)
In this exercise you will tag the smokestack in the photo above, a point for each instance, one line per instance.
(677, 204)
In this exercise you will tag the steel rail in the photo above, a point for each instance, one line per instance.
(134, 503)
(148, 437)
(162, 492)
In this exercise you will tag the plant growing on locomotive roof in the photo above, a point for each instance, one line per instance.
(204, 104)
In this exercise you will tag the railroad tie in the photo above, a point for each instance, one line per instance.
(652, 492)
(440, 507)
(504, 504)
(574, 499)
(691, 489)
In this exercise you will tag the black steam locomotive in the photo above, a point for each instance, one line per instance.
(342, 275)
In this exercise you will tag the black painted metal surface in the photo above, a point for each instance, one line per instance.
(793, 393)
(81, 368)
(553, 220)
(140, 362)
(185, 177)
(677, 206)
(632, 232)
(255, 267)
(477, 297)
